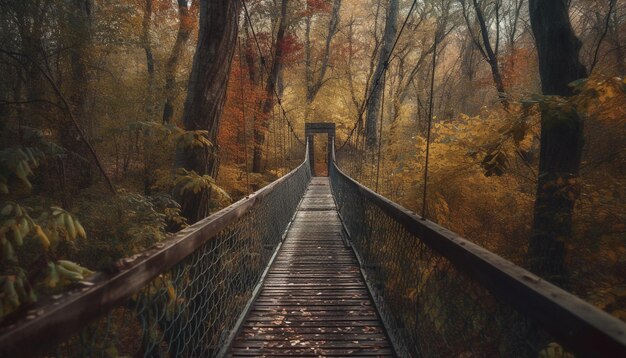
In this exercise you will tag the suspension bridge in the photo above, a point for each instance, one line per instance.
(314, 266)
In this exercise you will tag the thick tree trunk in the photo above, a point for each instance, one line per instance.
(261, 128)
(206, 94)
(561, 139)
(373, 107)
(185, 26)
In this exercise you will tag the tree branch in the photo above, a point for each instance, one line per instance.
(68, 111)
(594, 62)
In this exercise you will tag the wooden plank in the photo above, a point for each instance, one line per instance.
(314, 300)
(288, 318)
(286, 336)
(317, 303)
(312, 352)
(373, 330)
(309, 324)
(356, 344)
(264, 309)
(283, 335)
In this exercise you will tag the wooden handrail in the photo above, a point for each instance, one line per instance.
(577, 325)
(55, 319)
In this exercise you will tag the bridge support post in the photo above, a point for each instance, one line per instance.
(311, 140)
(310, 129)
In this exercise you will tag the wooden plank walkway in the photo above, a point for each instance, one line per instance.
(314, 301)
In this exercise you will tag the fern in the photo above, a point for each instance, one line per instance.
(190, 181)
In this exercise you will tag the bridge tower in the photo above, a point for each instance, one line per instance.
(312, 128)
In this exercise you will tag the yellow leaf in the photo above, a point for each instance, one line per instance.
(171, 292)
(42, 237)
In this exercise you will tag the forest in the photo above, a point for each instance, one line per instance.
(124, 121)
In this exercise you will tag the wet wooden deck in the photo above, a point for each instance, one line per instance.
(314, 301)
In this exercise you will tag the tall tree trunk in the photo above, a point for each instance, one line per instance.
(373, 107)
(185, 26)
(561, 139)
(32, 47)
(308, 66)
(260, 129)
(315, 78)
(150, 103)
(147, 47)
(80, 21)
(206, 94)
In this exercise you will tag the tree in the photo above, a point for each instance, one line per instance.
(316, 77)
(484, 45)
(561, 138)
(262, 127)
(373, 107)
(206, 94)
(512, 18)
(78, 39)
(412, 56)
(185, 27)
(355, 51)
(80, 23)
(146, 42)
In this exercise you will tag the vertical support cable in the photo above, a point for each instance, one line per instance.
(380, 129)
(352, 157)
(273, 134)
(268, 150)
(283, 136)
(243, 115)
(430, 120)
(289, 152)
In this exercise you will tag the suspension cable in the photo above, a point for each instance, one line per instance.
(264, 66)
(273, 134)
(243, 115)
(380, 129)
(375, 85)
(283, 135)
(430, 120)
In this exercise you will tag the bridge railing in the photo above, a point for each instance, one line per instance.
(440, 295)
(181, 298)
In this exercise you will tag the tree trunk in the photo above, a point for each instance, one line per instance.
(146, 40)
(206, 94)
(185, 26)
(561, 139)
(260, 129)
(619, 49)
(80, 20)
(314, 83)
(373, 107)
(490, 55)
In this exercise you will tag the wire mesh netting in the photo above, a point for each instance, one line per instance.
(429, 306)
(190, 310)
(433, 304)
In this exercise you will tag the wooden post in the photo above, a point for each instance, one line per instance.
(311, 140)
(310, 129)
